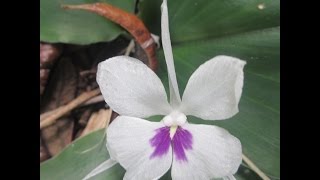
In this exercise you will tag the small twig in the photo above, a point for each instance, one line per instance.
(254, 168)
(93, 100)
(49, 113)
(97, 121)
(129, 48)
(52, 117)
(86, 72)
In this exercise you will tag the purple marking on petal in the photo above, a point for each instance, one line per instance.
(182, 140)
(161, 141)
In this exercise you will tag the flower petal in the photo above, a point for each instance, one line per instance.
(214, 89)
(131, 88)
(131, 141)
(215, 154)
(175, 99)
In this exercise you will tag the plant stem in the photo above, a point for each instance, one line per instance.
(254, 168)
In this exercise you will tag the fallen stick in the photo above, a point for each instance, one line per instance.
(97, 121)
(254, 168)
(93, 100)
(51, 116)
(49, 113)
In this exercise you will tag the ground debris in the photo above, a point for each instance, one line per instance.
(65, 76)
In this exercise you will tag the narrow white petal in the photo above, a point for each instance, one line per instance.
(175, 99)
(102, 167)
(131, 88)
(128, 140)
(215, 154)
(214, 89)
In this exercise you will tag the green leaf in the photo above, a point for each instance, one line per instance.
(202, 19)
(78, 26)
(79, 158)
(244, 173)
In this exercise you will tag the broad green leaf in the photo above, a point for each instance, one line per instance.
(201, 19)
(79, 158)
(78, 26)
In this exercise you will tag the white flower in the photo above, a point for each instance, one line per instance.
(147, 150)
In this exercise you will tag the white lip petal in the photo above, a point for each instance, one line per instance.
(214, 89)
(131, 88)
(215, 154)
(128, 139)
(175, 99)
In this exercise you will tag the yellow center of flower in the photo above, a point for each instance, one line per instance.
(173, 130)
